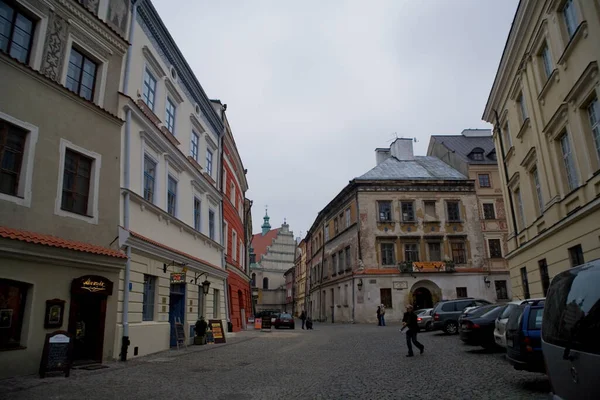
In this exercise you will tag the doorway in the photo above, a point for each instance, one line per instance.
(176, 309)
(422, 298)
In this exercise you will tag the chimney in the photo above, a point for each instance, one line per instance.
(402, 149)
(381, 155)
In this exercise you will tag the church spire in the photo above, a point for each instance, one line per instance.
(266, 226)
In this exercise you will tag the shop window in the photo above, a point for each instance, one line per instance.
(13, 298)
(148, 298)
(386, 297)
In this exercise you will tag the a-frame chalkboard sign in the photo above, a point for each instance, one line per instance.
(57, 354)
(180, 334)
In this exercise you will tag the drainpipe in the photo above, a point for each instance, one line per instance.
(359, 253)
(126, 181)
(220, 183)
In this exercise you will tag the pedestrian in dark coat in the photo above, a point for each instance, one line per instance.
(378, 315)
(410, 321)
(303, 318)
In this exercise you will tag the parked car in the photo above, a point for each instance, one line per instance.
(571, 333)
(500, 328)
(523, 337)
(284, 319)
(476, 327)
(447, 312)
(425, 319)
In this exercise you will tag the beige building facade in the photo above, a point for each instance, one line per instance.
(545, 111)
(300, 278)
(59, 186)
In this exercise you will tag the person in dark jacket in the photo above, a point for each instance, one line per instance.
(303, 318)
(378, 315)
(410, 321)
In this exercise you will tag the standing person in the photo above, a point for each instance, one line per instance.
(303, 318)
(382, 312)
(410, 321)
(378, 315)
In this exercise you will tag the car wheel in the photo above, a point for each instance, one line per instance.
(429, 326)
(451, 327)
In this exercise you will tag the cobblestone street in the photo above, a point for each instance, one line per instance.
(330, 362)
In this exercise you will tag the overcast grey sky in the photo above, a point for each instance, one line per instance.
(313, 87)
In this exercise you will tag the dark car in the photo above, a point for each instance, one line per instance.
(447, 312)
(524, 339)
(284, 319)
(476, 327)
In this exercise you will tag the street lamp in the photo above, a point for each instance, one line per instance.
(205, 287)
(487, 282)
(360, 284)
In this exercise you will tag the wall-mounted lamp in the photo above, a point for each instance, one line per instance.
(205, 284)
(360, 284)
(487, 282)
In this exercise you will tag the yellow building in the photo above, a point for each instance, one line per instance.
(545, 111)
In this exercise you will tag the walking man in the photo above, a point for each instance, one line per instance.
(410, 321)
(303, 318)
(382, 312)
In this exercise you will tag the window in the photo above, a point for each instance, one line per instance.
(197, 214)
(76, 183)
(13, 297)
(538, 190)
(484, 180)
(234, 245)
(453, 211)
(570, 17)
(341, 262)
(525, 283)
(385, 211)
(149, 178)
(172, 196)
(569, 162)
(12, 151)
(507, 138)
(265, 283)
(327, 232)
(430, 213)
(385, 296)
(348, 215)
(408, 211)
(209, 162)
(334, 264)
(522, 107)
(211, 224)
(16, 32)
(411, 252)
(194, 146)
(488, 211)
(345, 295)
(348, 259)
(336, 227)
(149, 90)
(521, 213)
(544, 276)
(495, 248)
(253, 280)
(594, 114)
(148, 298)
(232, 192)
(501, 290)
(435, 251)
(387, 254)
(546, 60)
(461, 292)
(170, 116)
(217, 303)
(81, 75)
(477, 155)
(576, 255)
(459, 253)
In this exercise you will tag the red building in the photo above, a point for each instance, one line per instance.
(235, 227)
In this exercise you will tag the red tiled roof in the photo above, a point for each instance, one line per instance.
(155, 243)
(54, 241)
(260, 242)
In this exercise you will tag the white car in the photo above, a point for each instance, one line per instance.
(500, 328)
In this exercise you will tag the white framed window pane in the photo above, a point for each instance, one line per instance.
(538, 189)
(520, 208)
(594, 114)
(172, 196)
(570, 17)
(170, 116)
(547, 60)
(194, 146)
(569, 162)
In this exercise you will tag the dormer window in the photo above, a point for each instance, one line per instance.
(477, 154)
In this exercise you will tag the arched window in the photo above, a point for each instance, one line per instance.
(253, 281)
(265, 283)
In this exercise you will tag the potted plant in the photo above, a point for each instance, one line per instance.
(450, 267)
(200, 329)
(406, 266)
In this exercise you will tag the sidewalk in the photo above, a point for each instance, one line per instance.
(19, 383)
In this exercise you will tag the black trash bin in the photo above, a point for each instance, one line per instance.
(229, 327)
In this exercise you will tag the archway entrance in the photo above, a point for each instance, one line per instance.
(422, 298)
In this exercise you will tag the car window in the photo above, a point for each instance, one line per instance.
(535, 319)
(572, 310)
(480, 311)
(448, 307)
(461, 305)
(492, 312)
(506, 313)
(514, 319)
(482, 302)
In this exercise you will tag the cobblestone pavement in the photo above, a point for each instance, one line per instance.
(329, 362)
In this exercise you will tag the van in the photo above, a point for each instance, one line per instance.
(571, 333)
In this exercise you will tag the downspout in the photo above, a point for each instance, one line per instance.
(126, 181)
(359, 254)
(220, 183)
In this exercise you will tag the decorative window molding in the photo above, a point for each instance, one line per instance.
(516, 88)
(175, 163)
(556, 125)
(154, 63)
(524, 128)
(530, 159)
(94, 183)
(175, 95)
(213, 200)
(41, 11)
(211, 143)
(584, 86)
(155, 145)
(553, 78)
(514, 180)
(581, 32)
(200, 186)
(197, 125)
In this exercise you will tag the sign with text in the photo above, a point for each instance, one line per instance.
(428, 266)
(399, 285)
(216, 326)
(56, 356)
(92, 284)
(177, 277)
(266, 322)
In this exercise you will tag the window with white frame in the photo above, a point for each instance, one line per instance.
(232, 192)
(568, 161)
(79, 172)
(149, 178)
(546, 59)
(16, 31)
(225, 237)
(507, 138)
(149, 89)
(211, 224)
(388, 256)
(593, 110)
(538, 189)
(17, 150)
(348, 218)
(170, 115)
(453, 211)
(234, 243)
(522, 107)
(148, 298)
(194, 146)
(197, 214)
(216, 304)
(411, 252)
(488, 211)
(209, 162)
(495, 248)
(81, 74)
(569, 14)
(520, 212)
(172, 195)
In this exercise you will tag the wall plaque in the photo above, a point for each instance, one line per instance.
(55, 310)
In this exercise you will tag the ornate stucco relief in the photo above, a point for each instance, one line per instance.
(54, 49)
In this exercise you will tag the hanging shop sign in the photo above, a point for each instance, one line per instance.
(92, 284)
(177, 277)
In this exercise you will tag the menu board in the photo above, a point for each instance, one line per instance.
(180, 334)
(56, 356)
(266, 322)
(216, 326)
